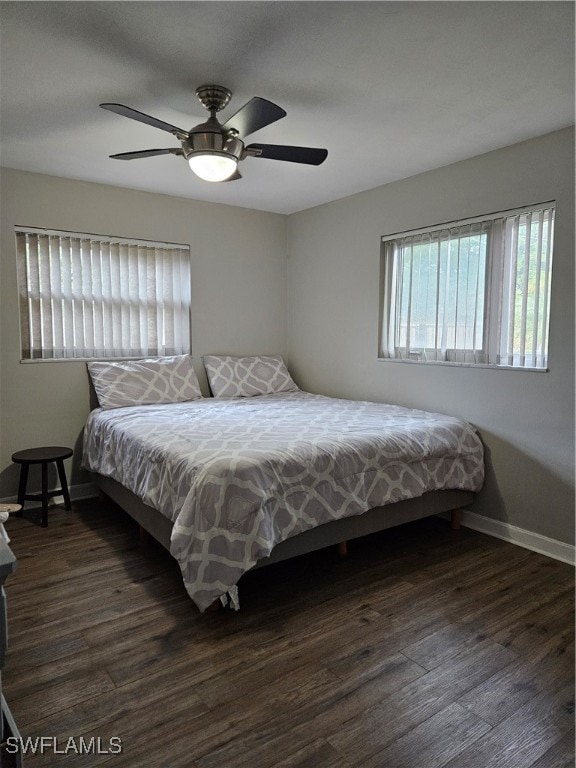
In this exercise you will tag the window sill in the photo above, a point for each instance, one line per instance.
(27, 361)
(451, 364)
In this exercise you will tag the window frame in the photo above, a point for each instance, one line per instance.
(111, 240)
(493, 286)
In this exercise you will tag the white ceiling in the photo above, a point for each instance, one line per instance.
(389, 88)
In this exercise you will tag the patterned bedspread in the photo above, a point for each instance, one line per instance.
(239, 476)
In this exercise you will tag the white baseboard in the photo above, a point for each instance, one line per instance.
(77, 492)
(84, 491)
(558, 550)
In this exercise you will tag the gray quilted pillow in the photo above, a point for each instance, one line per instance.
(247, 376)
(145, 382)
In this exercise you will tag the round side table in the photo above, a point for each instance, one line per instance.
(43, 456)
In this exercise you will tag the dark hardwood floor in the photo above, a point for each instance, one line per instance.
(424, 648)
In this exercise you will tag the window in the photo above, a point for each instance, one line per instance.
(87, 296)
(474, 291)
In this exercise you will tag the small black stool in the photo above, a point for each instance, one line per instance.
(43, 456)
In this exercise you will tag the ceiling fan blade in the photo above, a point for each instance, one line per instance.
(307, 155)
(145, 153)
(255, 114)
(120, 109)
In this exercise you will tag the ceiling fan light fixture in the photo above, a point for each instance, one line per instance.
(212, 166)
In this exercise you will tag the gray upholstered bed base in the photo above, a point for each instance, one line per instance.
(377, 519)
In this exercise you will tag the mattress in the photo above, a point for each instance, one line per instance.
(238, 476)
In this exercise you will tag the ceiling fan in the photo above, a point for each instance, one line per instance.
(214, 149)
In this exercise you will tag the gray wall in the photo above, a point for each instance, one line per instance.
(243, 284)
(526, 418)
(238, 289)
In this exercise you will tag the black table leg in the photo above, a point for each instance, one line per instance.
(63, 484)
(44, 494)
(22, 484)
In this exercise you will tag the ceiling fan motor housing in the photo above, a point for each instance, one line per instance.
(214, 142)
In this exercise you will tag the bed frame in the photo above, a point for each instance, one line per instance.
(336, 532)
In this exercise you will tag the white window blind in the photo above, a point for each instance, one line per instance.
(475, 292)
(87, 296)
(525, 280)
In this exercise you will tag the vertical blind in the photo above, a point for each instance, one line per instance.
(526, 272)
(85, 296)
(437, 294)
(471, 292)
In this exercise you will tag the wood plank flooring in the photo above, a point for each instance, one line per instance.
(424, 648)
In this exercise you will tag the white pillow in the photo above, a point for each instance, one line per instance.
(247, 376)
(145, 382)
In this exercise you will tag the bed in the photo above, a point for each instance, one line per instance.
(263, 471)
